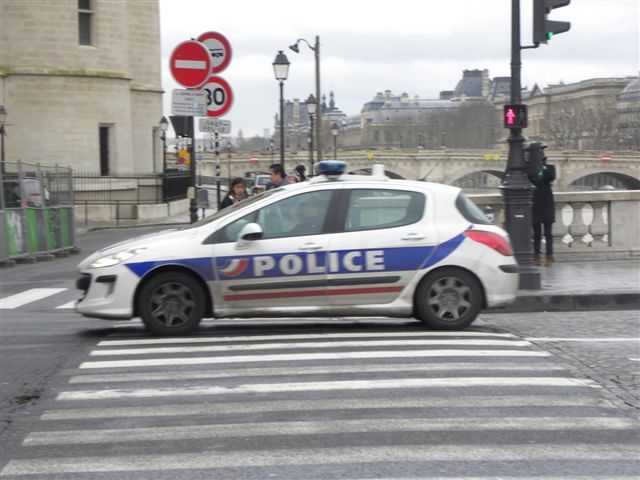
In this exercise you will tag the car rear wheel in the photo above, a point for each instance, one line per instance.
(448, 299)
(171, 303)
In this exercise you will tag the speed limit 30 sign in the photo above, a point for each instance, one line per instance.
(219, 96)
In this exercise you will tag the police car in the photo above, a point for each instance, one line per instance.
(336, 245)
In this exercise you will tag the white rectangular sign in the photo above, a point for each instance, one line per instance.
(213, 125)
(189, 103)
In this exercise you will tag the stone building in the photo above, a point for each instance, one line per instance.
(585, 115)
(628, 113)
(80, 81)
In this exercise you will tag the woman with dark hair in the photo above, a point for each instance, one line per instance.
(237, 192)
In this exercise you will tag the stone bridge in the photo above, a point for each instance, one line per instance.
(467, 168)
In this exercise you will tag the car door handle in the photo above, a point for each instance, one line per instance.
(310, 246)
(414, 236)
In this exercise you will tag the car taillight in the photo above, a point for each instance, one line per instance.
(492, 240)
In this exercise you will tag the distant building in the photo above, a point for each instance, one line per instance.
(628, 113)
(80, 80)
(591, 114)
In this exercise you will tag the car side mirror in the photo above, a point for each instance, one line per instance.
(249, 233)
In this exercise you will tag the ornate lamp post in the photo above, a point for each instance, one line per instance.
(281, 71)
(164, 125)
(334, 131)
(316, 50)
(312, 106)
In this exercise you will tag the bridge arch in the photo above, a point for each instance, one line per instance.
(599, 180)
(628, 176)
(475, 177)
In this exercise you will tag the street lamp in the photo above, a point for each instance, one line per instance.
(334, 131)
(164, 125)
(316, 51)
(281, 71)
(3, 117)
(312, 106)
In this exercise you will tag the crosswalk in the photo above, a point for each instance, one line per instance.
(34, 296)
(371, 403)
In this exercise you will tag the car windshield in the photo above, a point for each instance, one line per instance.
(231, 209)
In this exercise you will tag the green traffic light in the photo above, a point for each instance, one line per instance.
(549, 35)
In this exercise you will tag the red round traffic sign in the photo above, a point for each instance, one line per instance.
(190, 64)
(219, 48)
(219, 96)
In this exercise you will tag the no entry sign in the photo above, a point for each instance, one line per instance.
(219, 48)
(190, 64)
(219, 96)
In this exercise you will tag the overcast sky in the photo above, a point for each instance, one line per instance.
(416, 46)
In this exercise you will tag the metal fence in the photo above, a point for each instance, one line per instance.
(36, 211)
(141, 189)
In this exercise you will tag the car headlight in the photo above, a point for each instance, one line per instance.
(114, 258)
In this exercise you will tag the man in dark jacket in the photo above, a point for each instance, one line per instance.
(544, 213)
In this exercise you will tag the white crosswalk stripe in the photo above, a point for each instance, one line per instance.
(343, 404)
(28, 296)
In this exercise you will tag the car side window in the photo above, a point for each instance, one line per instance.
(303, 214)
(372, 209)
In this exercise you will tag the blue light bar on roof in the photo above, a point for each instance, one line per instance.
(330, 167)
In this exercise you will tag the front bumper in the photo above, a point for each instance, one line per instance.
(108, 293)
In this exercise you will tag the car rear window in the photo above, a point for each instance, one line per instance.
(372, 209)
(470, 210)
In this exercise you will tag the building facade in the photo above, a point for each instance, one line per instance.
(81, 83)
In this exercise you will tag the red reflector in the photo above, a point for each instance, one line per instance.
(492, 240)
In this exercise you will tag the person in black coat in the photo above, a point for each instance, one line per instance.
(544, 213)
(238, 192)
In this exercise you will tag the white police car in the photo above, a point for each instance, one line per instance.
(337, 245)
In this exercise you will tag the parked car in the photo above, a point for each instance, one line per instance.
(337, 245)
(29, 195)
(260, 184)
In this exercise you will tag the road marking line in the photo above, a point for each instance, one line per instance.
(318, 456)
(71, 304)
(250, 338)
(324, 427)
(310, 356)
(32, 295)
(310, 370)
(273, 406)
(280, 346)
(633, 359)
(584, 339)
(377, 384)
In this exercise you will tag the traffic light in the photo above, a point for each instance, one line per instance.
(515, 116)
(544, 29)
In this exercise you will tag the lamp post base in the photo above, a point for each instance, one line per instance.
(517, 193)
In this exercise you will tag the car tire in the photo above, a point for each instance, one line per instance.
(448, 299)
(171, 303)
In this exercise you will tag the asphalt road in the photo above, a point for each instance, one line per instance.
(517, 395)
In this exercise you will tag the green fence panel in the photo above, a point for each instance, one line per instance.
(51, 228)
(14, 237)
(65, 230)
(31, 222)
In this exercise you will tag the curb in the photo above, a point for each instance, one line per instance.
(572, 302)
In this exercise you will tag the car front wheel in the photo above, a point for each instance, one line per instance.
(171, 303)
(448, 299)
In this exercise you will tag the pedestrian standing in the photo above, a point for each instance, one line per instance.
(278, 176)
(544, 213)
(237, 193)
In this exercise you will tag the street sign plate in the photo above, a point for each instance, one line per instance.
(213, 125)
(189, 103)
(219, 48)
(190, 64)
(219, 96)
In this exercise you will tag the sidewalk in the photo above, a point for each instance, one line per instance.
(583, 286)
(566, 286)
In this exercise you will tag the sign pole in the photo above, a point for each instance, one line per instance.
(217, 153)
(516, 188)
(193, 204)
